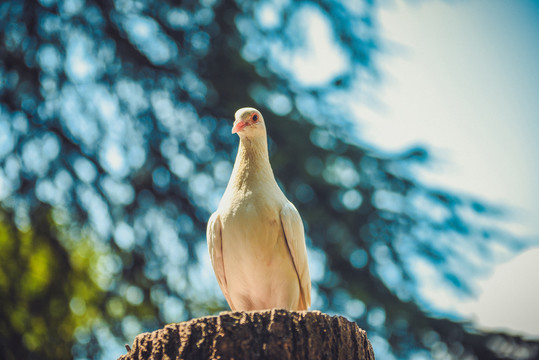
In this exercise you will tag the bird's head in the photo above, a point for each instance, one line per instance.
(249, 123)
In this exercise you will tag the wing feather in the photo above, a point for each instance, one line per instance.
(215, 247)
(295, 238)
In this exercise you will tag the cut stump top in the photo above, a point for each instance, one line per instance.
(268, 334)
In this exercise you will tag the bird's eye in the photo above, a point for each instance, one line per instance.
(255, 117)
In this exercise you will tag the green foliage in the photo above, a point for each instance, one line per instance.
(46, 292)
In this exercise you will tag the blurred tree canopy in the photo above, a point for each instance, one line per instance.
(115, 147)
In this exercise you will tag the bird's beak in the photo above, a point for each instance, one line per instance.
(238, 126)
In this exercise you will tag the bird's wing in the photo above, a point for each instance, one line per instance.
(215, 247)
(295, 238)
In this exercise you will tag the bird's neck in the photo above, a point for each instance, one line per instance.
(252, 162)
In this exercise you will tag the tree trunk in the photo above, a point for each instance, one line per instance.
(269, 334)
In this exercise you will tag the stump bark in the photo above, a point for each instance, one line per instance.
(269, 334)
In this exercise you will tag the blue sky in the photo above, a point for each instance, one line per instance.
(462, 78)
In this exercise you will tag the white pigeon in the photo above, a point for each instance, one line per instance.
(256, 238)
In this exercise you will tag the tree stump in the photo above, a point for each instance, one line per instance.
(269, 334)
